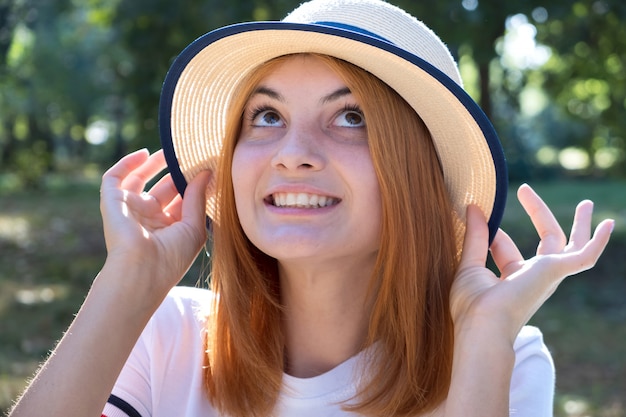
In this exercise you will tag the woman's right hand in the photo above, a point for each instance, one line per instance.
(152, 238)
(155, 231)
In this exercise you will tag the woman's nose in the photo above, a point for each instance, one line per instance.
(298, 149)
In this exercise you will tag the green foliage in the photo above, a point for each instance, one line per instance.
(70, 65)
(30, 165)
(586, 76)
(154, 32)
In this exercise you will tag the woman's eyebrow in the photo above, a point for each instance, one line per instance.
(273, 94)
(266, 91)
(335, 95)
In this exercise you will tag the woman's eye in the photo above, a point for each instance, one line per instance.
(350, 118)
(267, 118)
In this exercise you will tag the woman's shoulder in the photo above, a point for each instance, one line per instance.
(164, 371)
(183, 308)
(533, 379)
(188, 297)
(530, 347)
(533, 362)
(530, 337)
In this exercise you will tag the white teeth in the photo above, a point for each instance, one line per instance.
(290, 200)
(302, 200)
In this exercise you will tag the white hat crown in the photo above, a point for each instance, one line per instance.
(384, 21)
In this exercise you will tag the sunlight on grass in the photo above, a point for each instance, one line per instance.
(10, 388)
(41, 295)
(15, 229)
(574, 406)
(14, 380)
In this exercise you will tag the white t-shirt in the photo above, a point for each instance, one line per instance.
(163, 376)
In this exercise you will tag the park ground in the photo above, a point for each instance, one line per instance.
(51, 247)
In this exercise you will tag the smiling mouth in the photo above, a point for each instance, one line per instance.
(301, 200)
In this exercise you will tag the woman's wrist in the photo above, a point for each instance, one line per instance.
(485, 328)
(483, 363)
(132, 283)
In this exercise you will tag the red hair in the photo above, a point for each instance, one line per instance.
(410, 330)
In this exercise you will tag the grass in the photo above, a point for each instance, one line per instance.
(51, 247)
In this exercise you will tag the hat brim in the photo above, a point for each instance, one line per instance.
(201, 81)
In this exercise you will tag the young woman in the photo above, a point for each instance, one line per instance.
(354, 192)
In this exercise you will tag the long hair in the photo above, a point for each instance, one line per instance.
(410, 329)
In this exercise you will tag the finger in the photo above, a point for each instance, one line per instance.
(113, 177)
(164, 191)
(581, 228)
(111, 193)
(476, 241)
(587, 257)
(505, 254)
(136, 180)
(174, 208)
(194, 202)
(146, 210)
(552, 238)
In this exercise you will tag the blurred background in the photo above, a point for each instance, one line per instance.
(79, 87)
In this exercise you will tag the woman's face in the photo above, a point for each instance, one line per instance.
(304, 182)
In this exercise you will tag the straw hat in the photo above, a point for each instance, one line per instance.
(372, 34)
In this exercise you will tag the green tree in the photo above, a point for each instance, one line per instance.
(18, 122)
(153, 32)
(472, 30)
(53, 81)
(583, 81)
(586, 78)
(80, 79)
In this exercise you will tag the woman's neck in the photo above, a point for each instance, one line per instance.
(326, 315)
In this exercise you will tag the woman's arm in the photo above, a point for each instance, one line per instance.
(152, 238)
(489, 311)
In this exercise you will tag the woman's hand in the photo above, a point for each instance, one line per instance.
(156, 231)
(479, 297)
(151, 239)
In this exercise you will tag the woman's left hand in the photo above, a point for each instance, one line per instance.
(478, 296)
